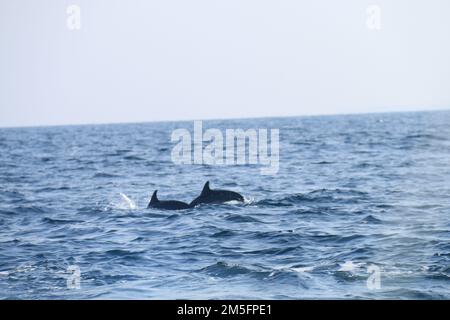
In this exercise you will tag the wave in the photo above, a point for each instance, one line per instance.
(371, 219)
(424, 136)
(93, 210)
(52, 189)
(105, 175)
(59, 221)
(30, 209)
(291, 276)
(273, 251)
(7, 212)
(134, 158)
(224, 270)
(11, 194)
(123, 253)
(319, 196)
(241, 218)
(223, 234)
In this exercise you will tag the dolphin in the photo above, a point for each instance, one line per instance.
(167, 204)
(215, 196)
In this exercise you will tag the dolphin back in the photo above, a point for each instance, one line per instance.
(215, 196)
(167, 204)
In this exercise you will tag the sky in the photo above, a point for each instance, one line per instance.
(139, 61)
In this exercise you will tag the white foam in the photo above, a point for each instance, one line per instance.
(236, 202)
(350, 266)
(303, 269)
(248, 200)
(232, 202)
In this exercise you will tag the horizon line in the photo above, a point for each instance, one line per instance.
(221, 119)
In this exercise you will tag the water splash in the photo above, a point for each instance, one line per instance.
(127, 202)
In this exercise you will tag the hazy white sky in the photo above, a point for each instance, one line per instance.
(198, 59)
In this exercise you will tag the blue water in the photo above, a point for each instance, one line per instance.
(352, 192)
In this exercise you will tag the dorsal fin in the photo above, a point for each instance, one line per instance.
(154, 197)
(206, 188)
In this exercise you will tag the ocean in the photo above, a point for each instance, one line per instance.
(359, 209)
